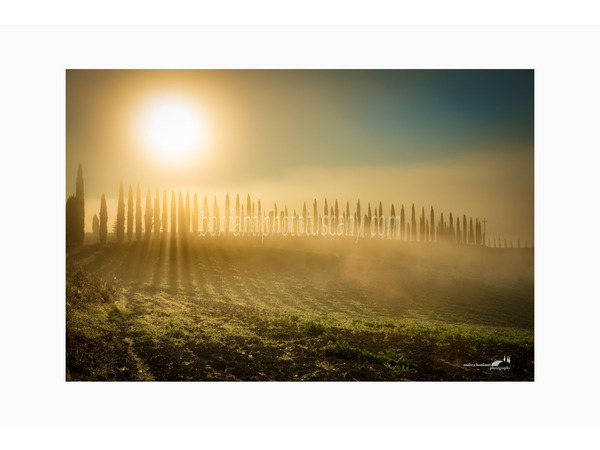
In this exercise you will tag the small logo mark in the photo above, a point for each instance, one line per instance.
(501, 365)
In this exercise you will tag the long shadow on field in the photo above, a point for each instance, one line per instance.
(161, 260)
(173, 262)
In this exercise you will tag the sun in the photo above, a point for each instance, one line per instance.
(172, 129)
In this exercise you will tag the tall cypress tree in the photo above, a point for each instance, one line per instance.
(80, 229)
(165, 215)
(403, 227)
(156, 214)
(227, 213)
(188, 214)
(181, 215)
(95, 225)
(471, 233)
(249, 213)
(173, 214)
(237, 213)
(259, 215)
(413, 224)
(130, 214)
(346, 226)
(465, 235)
(336, 213)
(121, 215)
(432, 223)
(315, 219)
(195, 215)
(216, 214)
(138, 214)
(71, 221)
(103, 231)
(358, 216)
(393, 222)
(148, 215)
(422, 235)
(205, 213)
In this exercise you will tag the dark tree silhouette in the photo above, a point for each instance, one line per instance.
(165, 215)
(173, 214)
(237, 212)
(346, 217)
(452, 235)
(195, 214)
(80, 209)
(75, 214)
(304, 222)
(336, 214)
(227, 213)
(130, 214)
(205, 213)
(188, 214)
(156, 214)
(249, 213)
(413, 224)
(369, 218)
(403, 227)
(138, 214)
(465, 238)
(315, 219)
(149, 214)
(260, 215)
(71, 221)
(95, 225)
(432, 223)
(217, 218)
(103, 231)
(422, 237)
(393, 222)
(471, 233)
(483, 233)
(243, 220)
(358, 216)
(458, 232)
(121, 215)
(181, 216)
(427, 227)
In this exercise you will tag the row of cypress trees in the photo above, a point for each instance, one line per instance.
(184, 220)
(75, 213)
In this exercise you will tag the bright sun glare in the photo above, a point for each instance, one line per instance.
(172, 129)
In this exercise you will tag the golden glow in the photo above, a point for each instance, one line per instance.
(172, 129)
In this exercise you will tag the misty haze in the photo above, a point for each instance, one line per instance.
(298, 225)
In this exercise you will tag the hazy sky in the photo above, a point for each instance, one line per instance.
(460, 140)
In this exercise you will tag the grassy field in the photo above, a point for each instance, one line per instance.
(297, 309)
